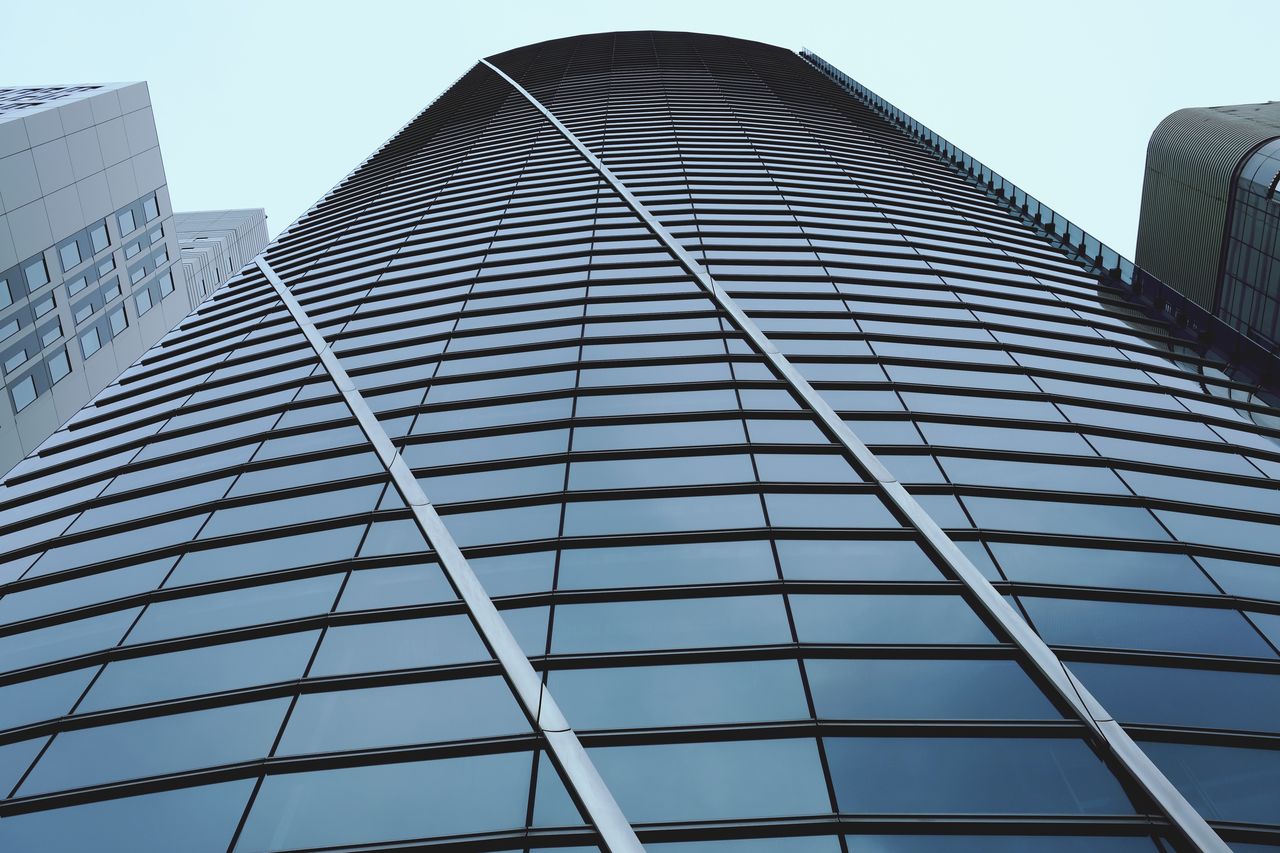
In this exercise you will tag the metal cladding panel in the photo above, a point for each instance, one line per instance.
(1186, 192)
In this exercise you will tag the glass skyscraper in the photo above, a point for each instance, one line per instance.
(652, 443)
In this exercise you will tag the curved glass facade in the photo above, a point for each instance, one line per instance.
(1250, 293)
(649, 363)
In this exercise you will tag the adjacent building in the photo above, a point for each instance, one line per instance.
(660, 440)
(217, 243)
(89, 247)
(1210, 220)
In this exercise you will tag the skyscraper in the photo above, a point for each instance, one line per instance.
(217, 243)
(653, 442)
(87, 250)
(1210, 221)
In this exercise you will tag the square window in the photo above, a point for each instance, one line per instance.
(90, 342)
(119, 322)
(37, 273)
(9, 329)
(45, 305)
(70, 255)
(136, 275)
(143, 301)
(6, 297)
(84, 312)
(151, 208)
(132, 249)
(166, 284)
(111, 290)
(51, 334)
(126, 221)
(14, 361)
(59, 365)
(98, 237)
(76, 285)
(24, 393)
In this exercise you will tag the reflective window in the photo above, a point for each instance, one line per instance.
(236, 608)
(658, 565)
(887, 619)
(892, 689)
(209, 669)
(1177, 696)
(715, 781)
(711, 512)
(42, 698)
(899, 775)
(198, 820)
(683, 695)
(1057, 564)
(406, 644)
(453, 796)
(1157, 627)
(156, 745)
(64, 640)
(1223, 782)
(855, 559)
(670, 624)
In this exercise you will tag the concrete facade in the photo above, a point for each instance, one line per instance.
(89, 250)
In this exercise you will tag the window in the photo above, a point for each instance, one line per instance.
(907, 689)
(143, 301)
(69, 255)
(681, 695)
(119, 322)
(24, 393)
(166, 283)
(59, 365)
(236, 608)
(406, 644)
(681, 623)
(90, 342)
(9, 329)
(137, 274)
(111, 289)
(452, 796)
(1223, 782)
(956, 775)
(715, 781)
(84, 312)
(6, 296)
(157, 745)
(881, 619)
(107, 265)
(76, 285)
(150, 208)
(51, 334)
(126, 221)
(98, 237)
(45, 305)
(37, 273)
(197, 820)
(132, 249)
(403, 714)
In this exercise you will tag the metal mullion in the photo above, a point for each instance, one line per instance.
(1121, 746)
(580, 774)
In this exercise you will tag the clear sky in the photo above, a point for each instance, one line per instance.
(269, 103)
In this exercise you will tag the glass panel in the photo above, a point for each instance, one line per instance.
(236, 608)
(407, 644)
(897, 775)
(157, 745)
(403, 714)
(670, 624)
(684, 695)
(1174, 696)
(658, 565)
(882, 619)
(867, 689)
(210, 669)
(193, 820)
(715, 781)
(1223, 782)
(855, 559)
(454, 796)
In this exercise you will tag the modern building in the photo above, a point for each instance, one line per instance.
(1210, 220)
(88, 245)
(659, 440)
(217, 243)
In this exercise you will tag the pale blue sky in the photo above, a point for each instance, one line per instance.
(269, 103)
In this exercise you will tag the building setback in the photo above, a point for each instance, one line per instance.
(653, 443)
(88, 244)
(1210, 220)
